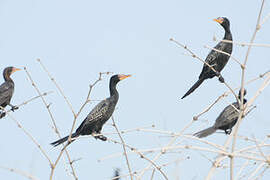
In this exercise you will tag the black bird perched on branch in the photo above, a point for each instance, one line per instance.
(101, 113)
(226, 120)
(7, 89)
(215, 59)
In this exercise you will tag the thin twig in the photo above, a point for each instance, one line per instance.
(152, 175)
(225, 94)
(241, 169)
(242, 90)
(86, 101)
(31, 99)
(259, 149)
(265, 19)
(243, 44)
(124, 147)
(22, 173)
(261, 165)
(193, 54)
(217, 50)
(142, 156)
(163, 151)
(54, 125)
(30, 136)
(205, 63)
(57, 86)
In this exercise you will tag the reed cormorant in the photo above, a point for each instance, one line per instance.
(7, 89)
(100, 114)
(216, 59)
(226, 120)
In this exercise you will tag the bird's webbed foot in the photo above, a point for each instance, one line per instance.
(13, 108)
(2, 114)
(101, 137)
(220, 78)
(228, 131)
(98, 136)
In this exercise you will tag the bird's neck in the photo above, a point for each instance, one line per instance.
(228, 34)
(113, 91)
(7, 78)
(244, 100)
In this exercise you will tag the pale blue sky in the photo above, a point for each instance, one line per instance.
(78, 39)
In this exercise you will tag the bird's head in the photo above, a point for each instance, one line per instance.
(224, 22)
(8, 71)
(118, 77)
(239, 94)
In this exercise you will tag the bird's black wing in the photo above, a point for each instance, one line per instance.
(212, 60)
(95, 116)
(6, 92)
(228, 115)
(98, 112)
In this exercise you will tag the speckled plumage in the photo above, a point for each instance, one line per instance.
(99, 115)
(6, 92)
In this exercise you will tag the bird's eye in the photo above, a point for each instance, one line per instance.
(221, 19)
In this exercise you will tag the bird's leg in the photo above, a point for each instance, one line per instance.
(103, 138)
(13, 108)
(2, 114)
(98, 135)
(228, 131)
(220, 78)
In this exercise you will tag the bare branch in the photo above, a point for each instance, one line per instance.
(22, 173)
(30, 136)
(124, 147)
(204, 62)
(57, 86)
(217, 50)
(53, 165)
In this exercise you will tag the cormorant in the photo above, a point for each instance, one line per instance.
(225, 121)
(101, 113)
(216, 59)
(7, 89)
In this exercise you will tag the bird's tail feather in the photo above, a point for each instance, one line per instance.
(195, 86)
(205, 132)
(64, 139)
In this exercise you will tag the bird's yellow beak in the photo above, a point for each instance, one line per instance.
(122, 76)
(15, 69)
(219, 20)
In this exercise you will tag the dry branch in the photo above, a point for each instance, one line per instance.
(124, 147)
(17, 171)
(53, 165)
